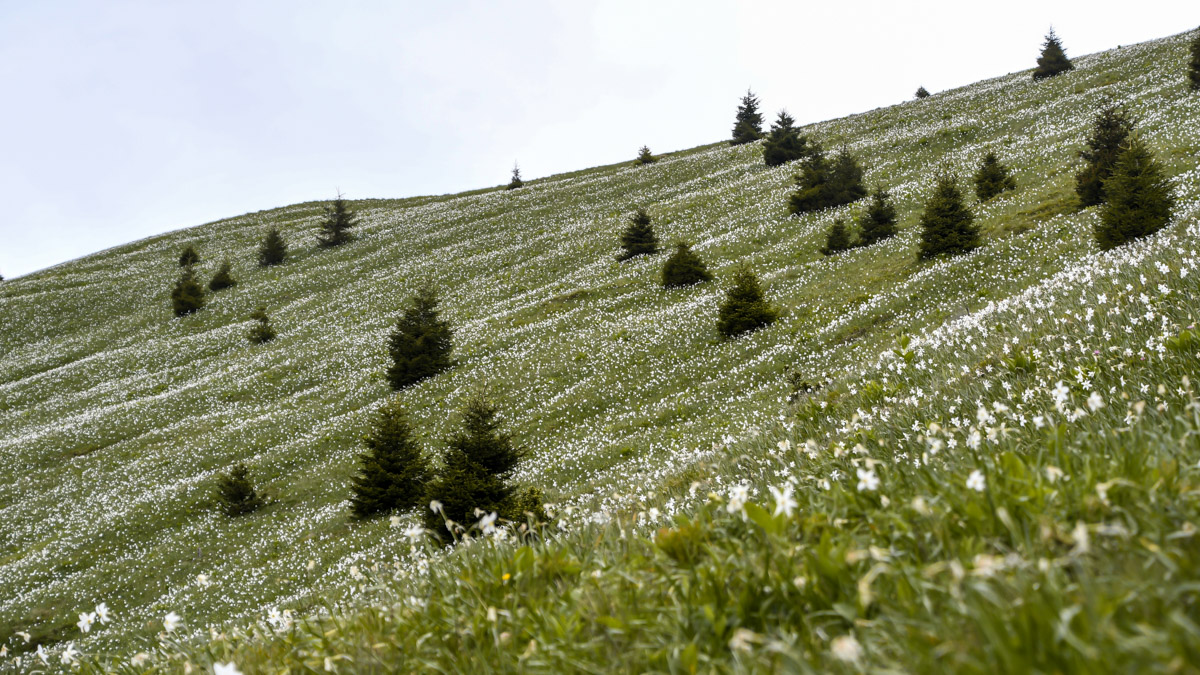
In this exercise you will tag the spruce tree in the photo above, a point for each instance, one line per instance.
(335, 228)
(784, 142)
(638, 237)
(189, 257)
(645, 156)
(236, 492)
(478, 459)
(947, 225)
(810, 184)
(1140, 198)
(393, 473)
(992, 177)
(516, 181)
(745, 308)
(1110, 130)
(878, 221)
(421, 343)
(747, 126)
(273, 249)
(188, 295)
(222, 279)
(922, 92)
(1053, 60)
(262, 331)
(684, 268)
(1194, 65)
(825, 183)
(838, 239)
(845, 179)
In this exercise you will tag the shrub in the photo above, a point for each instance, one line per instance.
(1110, 131)
(838, 239)
(335, 228)
(824, 183)
(393, 473)
(1194, 65)
(516, 181)
(645, 156)
(684, 268)
(262, 331)
(745, 308)
(188, 295)
(947, 225)
(922, 93)
(878, 221)
(784, 142)
(273, 249)
(222, 279)
(189, 257)
(638, 237)
(1053, 60)
(1140, 198)
(747, 125)
(992, 178)
(421, 344)
(236, 492)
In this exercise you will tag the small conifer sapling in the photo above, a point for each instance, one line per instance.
(516, 181)
(645, 156)
(878, 221)
(262, 331)
(222, 279)
(638, 237)
(684, 268)
(188, 295)
(336, 225)
(1140, 198)
(421, 343)
(1053, 60)
(1194, 64)
(922, 92)
(236, 492)
(838, 239)
(393, 473)
(947, 225)
(992, 177)
(747, 125)
(784, 142)
(1110, 131)
(273, 249)
(745, 308)
(189, 257)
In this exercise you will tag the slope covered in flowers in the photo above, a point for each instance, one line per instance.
(991, 464)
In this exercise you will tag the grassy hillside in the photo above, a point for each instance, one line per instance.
(1056, 372)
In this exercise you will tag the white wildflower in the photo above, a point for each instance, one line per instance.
(867, 480)
(976, 481)
(846, 648)
(785, 503)
(171, 622)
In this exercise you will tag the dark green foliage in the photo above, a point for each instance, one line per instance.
(188, 296)
(471, 483)
(335, 228)
(878, 221)
(638, 237)
(947, 226)
(516, 181)
(825, 183)
(922, 92)
(421, 343)
(747, 126)
(1140, 198)
(527, 505)
(1194, 65)
(744, 309)
(237, 493)
(1110, 130)
(189, 257)
(262, 331)
(992, 178)
(273, 249)
(392, 473)
(222, 279)
(1053, 60)
(645, 156)
(784, 143)
(838, 239)
(684, 268)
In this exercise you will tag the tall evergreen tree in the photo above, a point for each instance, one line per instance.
(236, 492)
(273, 249)
(222, 279)
(645, 156)
(745, 308)
(421, 343)
(825, 183)
(638, 237)
(262, 331)
(838, 239)
(878, 221)
(684, 268)
(189, 257)
(335, 228)
(188, 295)
(1110, 130)
(1140, 198)
(1053, 60)
(947, 225)
(479, 458)
(393, 473)
(516, 181)
(784, 142)
(747, 126)
(992, 177)
(922, 92)
(1194, 65)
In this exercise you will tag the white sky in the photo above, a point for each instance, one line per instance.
(123, 119)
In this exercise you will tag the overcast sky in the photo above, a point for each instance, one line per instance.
(122, 120)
